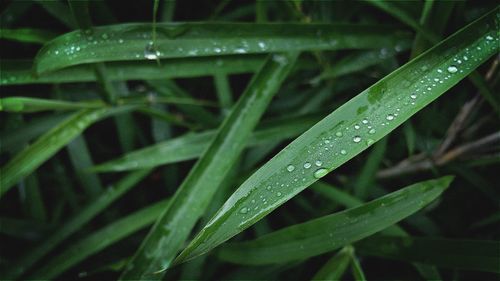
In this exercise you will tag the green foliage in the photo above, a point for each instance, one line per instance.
(285, 127)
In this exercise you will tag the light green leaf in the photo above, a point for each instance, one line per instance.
(336, 266)
(134, 42)
(334, 140)
(331, 232)
(194, 195)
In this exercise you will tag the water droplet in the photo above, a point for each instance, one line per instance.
(150, 52)
(489, 37)
(365, 121)
(318, 163)
(320, 173)
(217, 50)
(452, 69)
(440, 71)
(356, 139)
(244, 210)
(290, 168)
(253, 201)
(413, 96)
(262, 45)
(307, 165)
(369, 142)
(338, 134)
(343, 152)
(105, 36)
(389, 117)
(279, 194)
(120, 41)
(327, 141)
(372, 131)
(356, 127)
(268, 187)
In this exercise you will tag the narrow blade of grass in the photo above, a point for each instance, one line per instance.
(81, 160)
(335, 267)
(17, 72)
(331, 232)
(25, 104)
(75, 223)
(134, 42)
(191, 146)
(334, 140)
(357, 271)
(367, 174)
(194, 195)
(27, 35)
(47, 145)
(481, 255)
(99, 240)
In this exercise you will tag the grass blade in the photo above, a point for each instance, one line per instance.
(336, 266)
(133, 41)
(47, 145)
(331, 232)
(81, 160)
(480, 255)
(194, 195)
(75, 223)
(357, 271)
(24, 104)
(17, 72)
(192, 146)
(333, 141)
(99, 240)
(27, 35)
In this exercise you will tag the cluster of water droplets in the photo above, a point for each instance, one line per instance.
(336, 142)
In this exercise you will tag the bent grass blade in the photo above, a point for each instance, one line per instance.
(350, 129)
(134, 41)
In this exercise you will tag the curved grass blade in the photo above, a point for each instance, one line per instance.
(27, 35)
(47, 145)
(25, 104)
(134, 42)
(480, 255)
(356, 269)
(192, 146)
(12, 140)
(331, 232)
(336, 266)
(194, 195)
(17, 72)
(99, 240)
(334, 140)
(76, 222)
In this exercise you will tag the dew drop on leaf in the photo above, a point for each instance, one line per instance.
(290, 168)
(356, 139)
(452, 69)
(320, 173)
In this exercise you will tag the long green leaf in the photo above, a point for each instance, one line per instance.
(99, 240)
(331, 232)
(47, 145)
(192, 145)
(17, 72)
(451, 253)
(75, 223)
(134, 42)
(194, 195)
(334, 140)
(25, 104)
